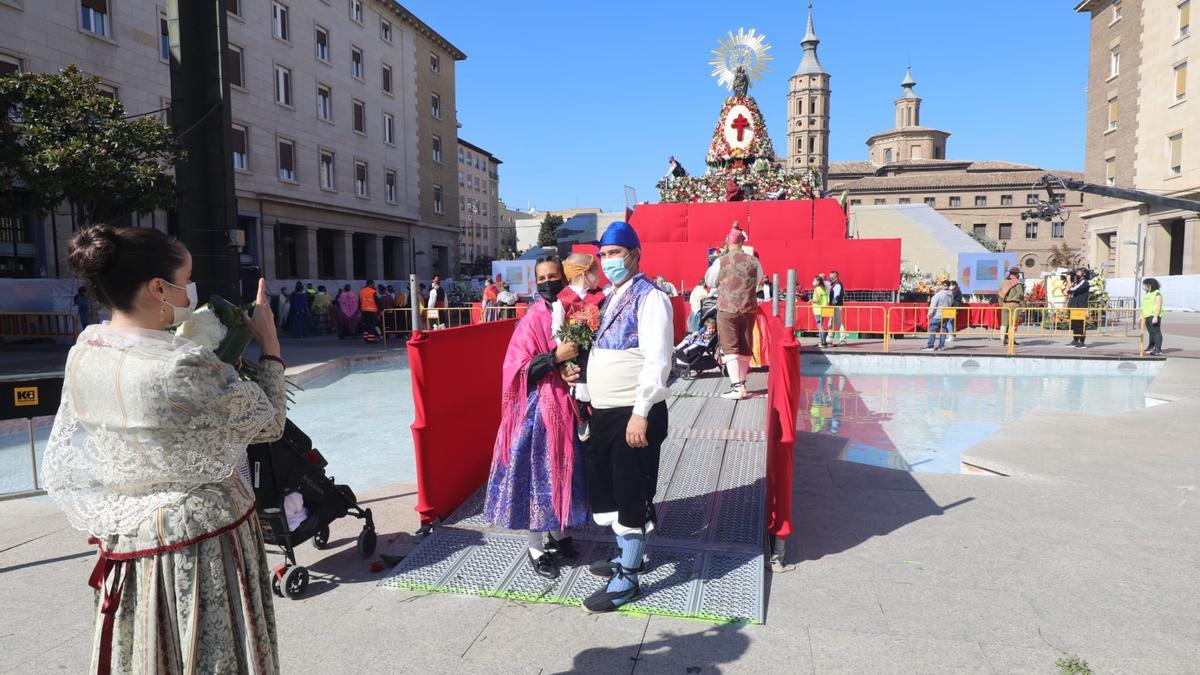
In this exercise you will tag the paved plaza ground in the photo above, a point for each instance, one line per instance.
(1087, 547)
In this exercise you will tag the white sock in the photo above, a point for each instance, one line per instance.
(536, 546)
(733, 364)
(745, 364)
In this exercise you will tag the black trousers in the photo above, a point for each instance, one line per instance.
(1155, 332)
(1077, 330)
(621, 478)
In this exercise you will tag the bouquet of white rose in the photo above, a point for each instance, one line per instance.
(220, 325)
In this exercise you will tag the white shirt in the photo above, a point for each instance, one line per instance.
(699, 293)
(432, 295)
(608, 368)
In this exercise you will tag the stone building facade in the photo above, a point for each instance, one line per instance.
(1143, 132)
(334, 150)
(908, 165)
(478, 203)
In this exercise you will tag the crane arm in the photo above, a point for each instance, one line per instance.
(1049, 181)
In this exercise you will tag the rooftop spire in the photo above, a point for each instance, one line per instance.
(909, 83)
(809, 64)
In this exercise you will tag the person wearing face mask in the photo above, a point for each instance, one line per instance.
(144, 456)
(628, 366)
(536, 482)
(736, 276)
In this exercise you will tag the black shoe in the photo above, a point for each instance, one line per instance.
(604, 600)
(544, 565)
(607, 569)
(563, 549)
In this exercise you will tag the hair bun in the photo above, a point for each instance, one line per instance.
(93, 250)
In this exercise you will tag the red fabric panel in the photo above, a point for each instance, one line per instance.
(864, 264)
(791, 220)
(708, 224)
(680, 310)
(868, 317)
(783, 403)
(657, 223)
(453, 458)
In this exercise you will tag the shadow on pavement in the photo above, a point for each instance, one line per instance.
(696, 652)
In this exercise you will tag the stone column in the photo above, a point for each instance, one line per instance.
(306, 252)
(343, 255)
(374, 256)
(1191, 245)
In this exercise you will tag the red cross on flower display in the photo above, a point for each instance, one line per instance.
(740, 123)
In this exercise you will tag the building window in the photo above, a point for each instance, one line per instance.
(108, 91)
(322, 44)
(955, 201)
(356, 11)
(1181, 81)
(1112, 113)
(9, 65)
(1005, 231)
(1031, 229)
(1005, 200)
(324, 103)
(1175, 153)
(880, 201)
(360, 179)
(389, 185)
(979, 229)
(327, 171)
(460, 155)
(240, 146)
(233, 65)
(887, 155)
(980, 200)
(438, 206)
(385, 30)
(1110, 171)
(1058, 230)
(234, 7)
(930, 201)
(389, 128)
(1116, 13)
(1114, 63)
(905, 200)
(94, 17)
(283, 86)
(386, 78)
(461, 178)
(356, 62)
(287, 160)
(1031, 198)
(360, 116)
(855, 202)
(279, 22)
(437, 149)
(1185, 18)
(435, 62)
(164, 39)
(435, 106)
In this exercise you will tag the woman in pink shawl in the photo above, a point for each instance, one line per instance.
(536, 481)
(347, 309)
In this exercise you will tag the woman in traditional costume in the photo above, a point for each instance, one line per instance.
(146, 456)
(536, 481)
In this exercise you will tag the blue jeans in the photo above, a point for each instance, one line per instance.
(938, 328)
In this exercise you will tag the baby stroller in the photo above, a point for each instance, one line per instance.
(289, 465)
(693, 359)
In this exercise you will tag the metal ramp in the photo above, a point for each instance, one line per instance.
(706, 557)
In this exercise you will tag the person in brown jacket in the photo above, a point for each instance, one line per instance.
(1012, 294)
(736, 276)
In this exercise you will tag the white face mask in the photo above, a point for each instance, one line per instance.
(182, 313)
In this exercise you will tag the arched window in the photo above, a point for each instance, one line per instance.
(887, 156)
(799, 145)
(799, 105)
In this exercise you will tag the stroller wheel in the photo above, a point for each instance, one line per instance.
(294, 582)
(688, 374)
(366, 542)
(321, 538)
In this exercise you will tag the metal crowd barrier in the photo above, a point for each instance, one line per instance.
(854, 319)
(38, 324)
(899, 319)
(1106, 322)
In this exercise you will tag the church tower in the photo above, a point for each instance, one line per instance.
(908, 106)
(808, 111)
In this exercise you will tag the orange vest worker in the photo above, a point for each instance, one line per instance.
(366, 300)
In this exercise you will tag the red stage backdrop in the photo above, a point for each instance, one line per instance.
(676, 238)
(456, 376)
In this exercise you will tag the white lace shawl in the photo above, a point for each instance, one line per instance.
(146, 419)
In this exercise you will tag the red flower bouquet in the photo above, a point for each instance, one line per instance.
(580, 326)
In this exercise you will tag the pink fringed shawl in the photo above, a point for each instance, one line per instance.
(530, 338)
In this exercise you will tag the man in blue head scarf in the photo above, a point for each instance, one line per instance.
(629, 361)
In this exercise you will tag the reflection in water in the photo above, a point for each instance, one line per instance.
(924, 423)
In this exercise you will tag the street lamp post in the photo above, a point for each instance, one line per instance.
(1137, 264)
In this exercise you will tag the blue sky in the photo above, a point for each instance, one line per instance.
(581, 98)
